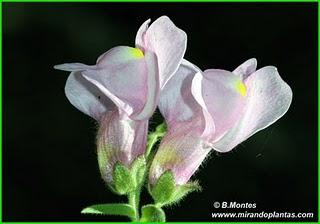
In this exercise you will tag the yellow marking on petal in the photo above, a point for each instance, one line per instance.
(136, 53)
(241, 88)
(167, 156)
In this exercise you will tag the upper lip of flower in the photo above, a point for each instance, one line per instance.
(122, 71)
(227, 101)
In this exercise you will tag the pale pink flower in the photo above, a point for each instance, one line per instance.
(121, 91)
(215, 109)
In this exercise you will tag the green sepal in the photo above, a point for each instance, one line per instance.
(110, 209)
(163, 190)
(123, 182)
(166, 192)
(126, 180)
(181, 191)
(152, 213)
(138, 170)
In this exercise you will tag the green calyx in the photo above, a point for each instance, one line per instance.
(122, 179)
(126, 180)
(166, 192)
(129, 181)
(138, 170)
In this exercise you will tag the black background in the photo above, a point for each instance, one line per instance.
(50, 170)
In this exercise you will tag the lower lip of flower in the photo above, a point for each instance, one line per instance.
(241, 88)
(137, 53)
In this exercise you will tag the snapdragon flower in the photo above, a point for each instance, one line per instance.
(215, 109)
(121, 91)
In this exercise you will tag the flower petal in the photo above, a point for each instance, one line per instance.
(246, 68)
(225, 97)
(86, 97)
(73, 67)
(123, 74)
(181, 99)
(119, 139)
(140, 37)
(177, 103)
(119, 56)
(168, 43)
(180, 152)
(196, 89)
(153, 88)
(269, 98)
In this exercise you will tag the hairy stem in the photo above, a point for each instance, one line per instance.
(134, 200)
(152, 140)
(154, 137)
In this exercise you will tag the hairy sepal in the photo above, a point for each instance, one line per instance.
(126, 180)
(166, 192)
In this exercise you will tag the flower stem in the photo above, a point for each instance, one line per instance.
(134, 200)
(134, 196)
(154, 137)
(152, 140)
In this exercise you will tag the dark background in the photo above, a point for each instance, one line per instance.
(50, 170)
